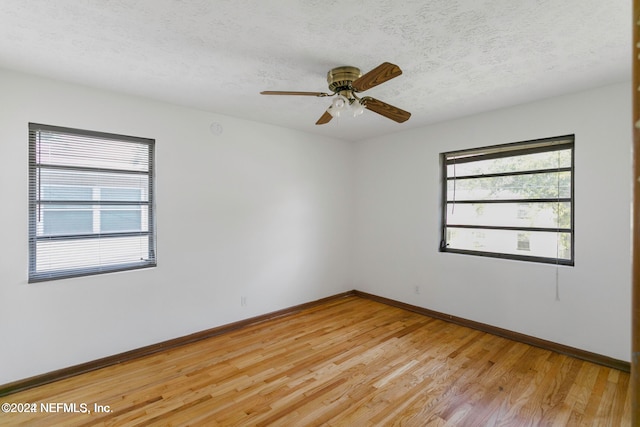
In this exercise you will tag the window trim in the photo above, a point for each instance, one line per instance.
(498, 151)
(34, 168)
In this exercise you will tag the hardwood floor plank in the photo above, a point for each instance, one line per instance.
(347, 362)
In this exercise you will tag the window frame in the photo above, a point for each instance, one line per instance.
(37, 206)
(503, 151)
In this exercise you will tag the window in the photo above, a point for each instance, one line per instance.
(523, 242)
(91, 204)
(518, 193)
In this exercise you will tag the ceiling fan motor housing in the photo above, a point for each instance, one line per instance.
(340, 78)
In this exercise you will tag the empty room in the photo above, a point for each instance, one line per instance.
(249, 213)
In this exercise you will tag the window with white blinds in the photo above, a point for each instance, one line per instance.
(91, 203)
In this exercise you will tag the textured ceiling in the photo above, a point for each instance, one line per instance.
(459, 57)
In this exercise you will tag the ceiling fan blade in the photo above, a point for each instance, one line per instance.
(278, 92)
(384, 109)
(380, 74)
(325, 118)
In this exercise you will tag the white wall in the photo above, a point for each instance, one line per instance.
(258, 211)
(397, 219)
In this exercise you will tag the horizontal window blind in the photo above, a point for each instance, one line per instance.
(91, 202)
(510, 201)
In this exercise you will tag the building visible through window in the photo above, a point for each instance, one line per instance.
(523, 242)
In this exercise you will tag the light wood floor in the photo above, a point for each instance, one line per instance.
(349, 362)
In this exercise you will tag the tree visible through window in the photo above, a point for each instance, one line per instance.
(90, 202)
(519, 195)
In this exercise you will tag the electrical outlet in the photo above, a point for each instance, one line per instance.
(243, 301)
(416, 290)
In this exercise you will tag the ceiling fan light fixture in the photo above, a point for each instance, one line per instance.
(356, 108)
(340, 102)
(338, 106)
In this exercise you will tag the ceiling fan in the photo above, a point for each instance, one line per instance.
(345, 82)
